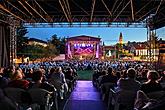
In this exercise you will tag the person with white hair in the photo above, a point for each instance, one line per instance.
(149, 87)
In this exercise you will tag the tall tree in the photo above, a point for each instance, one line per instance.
(62, 45)
(22, 40)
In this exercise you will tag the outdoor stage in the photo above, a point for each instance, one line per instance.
(83, 47)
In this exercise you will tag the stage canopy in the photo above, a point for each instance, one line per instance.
(89, 11)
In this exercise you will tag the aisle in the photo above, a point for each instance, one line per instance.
(85, 97)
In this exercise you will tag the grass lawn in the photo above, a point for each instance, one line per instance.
(85, 74)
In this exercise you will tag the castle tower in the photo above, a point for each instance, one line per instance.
(121, 38)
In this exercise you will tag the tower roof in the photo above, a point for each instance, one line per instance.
(121, 38)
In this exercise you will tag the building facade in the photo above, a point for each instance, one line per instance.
(34, 41)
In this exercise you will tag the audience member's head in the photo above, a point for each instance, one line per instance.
(131, 73)
(110, 69)
(37, 75)
(118, 74)
(52, 70)
(152, 75)
(17, 75)
(30, 71)
(104, 72)
(123, 74)
(144, 73)
(59, 70)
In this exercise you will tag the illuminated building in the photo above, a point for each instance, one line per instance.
(34, 41)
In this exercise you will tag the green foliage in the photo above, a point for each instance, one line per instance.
(55, 46)
(62, 46)
(59, 43)
(38, 51)
(22, 40)
(51, 50)
(34, 51)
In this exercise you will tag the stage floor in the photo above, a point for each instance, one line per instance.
(85, 97)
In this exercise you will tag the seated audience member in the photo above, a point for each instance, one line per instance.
(29, 74)
(6, 103)
(118, 75)
(126, 90)
(123, 74)
(69, 78)
(37, 78)
(17, 81)
(44, 74)
(75, 73)
(57, 75)
(143, 76)
(152, 84)
(109, 78)
(95, 76)
(57, 78)
(9, 72)
(69, 74)
(103, 73)
(50, 72)
(3, 80)
(129, 83)
(37, 82)
(162, 77)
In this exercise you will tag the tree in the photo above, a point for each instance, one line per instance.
(59, 43)
(62, 45)
(51, 50)
(22, 40)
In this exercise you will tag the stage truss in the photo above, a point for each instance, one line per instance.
(94, 13)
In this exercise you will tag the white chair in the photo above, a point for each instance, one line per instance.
(125, 98)
(41, 97)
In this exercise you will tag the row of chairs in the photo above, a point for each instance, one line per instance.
(36, 98)
(122, 99)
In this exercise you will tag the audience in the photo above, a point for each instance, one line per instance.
(109, 78)
(152, 85)
(129, 76)
(17, 81)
